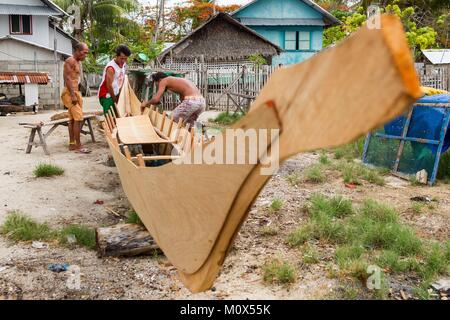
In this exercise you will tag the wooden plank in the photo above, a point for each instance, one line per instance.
(127, 152)
(148, 158)
(140, 160)
(137, 130)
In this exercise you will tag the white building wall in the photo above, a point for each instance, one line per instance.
(64, 43)
(40, 30)
(14, 50)
(23, 2)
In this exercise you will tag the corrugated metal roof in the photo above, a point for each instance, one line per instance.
(28, 10)
(24, 77)
(281, 22)
(438, 56)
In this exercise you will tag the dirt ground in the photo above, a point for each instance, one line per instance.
(70, 199)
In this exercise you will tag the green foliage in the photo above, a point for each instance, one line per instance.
(133, 217)
(277, 271)
(373, 233)
(417, 207)
(354, 172)
(419, 38)
(258, 59)
(276, 205)
(47, 170)
(293, 179)
(20, 227)
(315, 174)
(108, 23)
(227, 119)
(324, 159)
(348, 253)
(351, 150)
(301, 235)
(336, 206)
(268, 231)
(83, 235)
(310, 255)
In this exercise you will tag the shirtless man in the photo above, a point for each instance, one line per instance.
(71, 96)
(193, 103)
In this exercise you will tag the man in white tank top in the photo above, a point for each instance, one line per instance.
(113, 77)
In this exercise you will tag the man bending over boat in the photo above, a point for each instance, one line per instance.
(193, 103)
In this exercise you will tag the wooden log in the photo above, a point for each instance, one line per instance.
(124, 240)
(14, 108)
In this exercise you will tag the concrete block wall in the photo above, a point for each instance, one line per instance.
(46, 92)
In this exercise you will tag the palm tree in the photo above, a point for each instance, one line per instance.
(101, 13)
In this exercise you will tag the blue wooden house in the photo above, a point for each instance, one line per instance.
(294, 25)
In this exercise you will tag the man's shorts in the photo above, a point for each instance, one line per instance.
(107, 104)
(75, 110)
(189, 110)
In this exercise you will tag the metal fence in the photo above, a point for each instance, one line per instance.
(433, 76)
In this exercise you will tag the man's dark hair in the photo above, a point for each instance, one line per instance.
(123, 49)
(159, 76)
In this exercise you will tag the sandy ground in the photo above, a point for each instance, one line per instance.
(70, 199)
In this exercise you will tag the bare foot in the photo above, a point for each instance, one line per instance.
(73, 147)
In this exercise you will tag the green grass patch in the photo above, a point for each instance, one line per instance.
(350, 151)
(315, 174)
(82, 235)
(276, 205)
(324, 159)
(300, 235)
(347, 253)
(19, 227)
(336, 206)
(227, 119)
(354, 172)
(417, 207)
(293, 179)
(277, 271)
(414, 182)
(371, 234)
(133, 217)
(435, 262)
(47, 170)
(310, 255)
(269, 231)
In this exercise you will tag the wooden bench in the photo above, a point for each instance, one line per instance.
(37, 128)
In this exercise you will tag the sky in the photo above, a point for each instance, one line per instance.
(219, 2)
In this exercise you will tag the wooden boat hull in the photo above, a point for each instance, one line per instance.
(195, 211)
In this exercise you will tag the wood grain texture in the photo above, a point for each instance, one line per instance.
(137, 130)
(194, 211)
(124, 240)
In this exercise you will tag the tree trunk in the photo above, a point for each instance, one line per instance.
(124, 240)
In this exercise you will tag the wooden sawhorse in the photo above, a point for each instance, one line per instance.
(37, 128)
